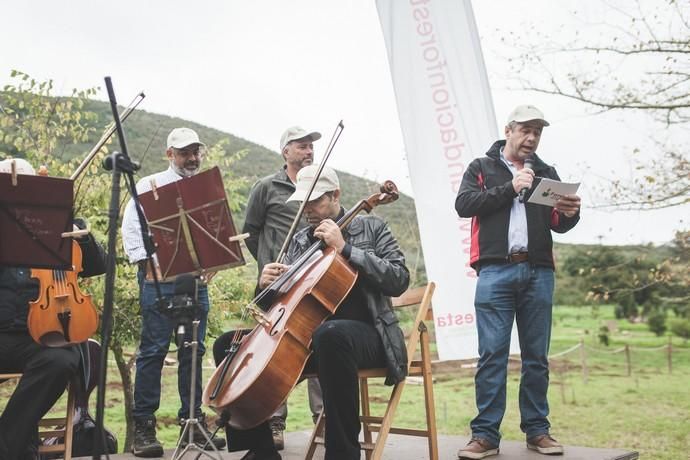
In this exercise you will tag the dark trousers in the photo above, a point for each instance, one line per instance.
(156, 331)
(341, 348)
(46, 374)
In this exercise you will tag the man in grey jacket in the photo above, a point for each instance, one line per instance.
(268, 220)
(269, 215)
(364, 331)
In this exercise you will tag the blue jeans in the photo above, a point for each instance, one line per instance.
(156, 331)
(524, 293)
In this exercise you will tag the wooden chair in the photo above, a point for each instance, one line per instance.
(382, 425)
(49, 427)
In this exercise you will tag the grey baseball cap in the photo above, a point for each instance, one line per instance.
(524, 113)
(180, 138)
(295, 133)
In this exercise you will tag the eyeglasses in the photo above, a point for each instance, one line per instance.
(187, 152)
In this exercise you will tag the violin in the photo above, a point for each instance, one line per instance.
(62, 314)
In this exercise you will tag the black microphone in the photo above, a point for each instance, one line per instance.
(183, 306)
(109, 162)
(529, 163)
(186, 291)
(186, 284)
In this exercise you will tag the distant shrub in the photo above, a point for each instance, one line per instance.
(680, 327)
(604, 335)
(657, 323)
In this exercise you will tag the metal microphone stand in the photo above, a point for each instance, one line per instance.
(119, 163)
(192, 422)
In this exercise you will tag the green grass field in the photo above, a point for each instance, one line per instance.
(648, 411)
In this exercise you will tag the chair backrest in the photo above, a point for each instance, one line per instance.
(416, 296)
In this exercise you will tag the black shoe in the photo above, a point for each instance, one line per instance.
(145, 442)
(277, 427)
(199, 438)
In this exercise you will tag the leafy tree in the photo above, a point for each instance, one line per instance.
(38, 126)
(637, 60)
(677, 292)
(610, 274)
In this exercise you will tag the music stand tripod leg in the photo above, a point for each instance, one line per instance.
(191, 423)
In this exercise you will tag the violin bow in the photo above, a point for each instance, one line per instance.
(106, 135)
(336, 135)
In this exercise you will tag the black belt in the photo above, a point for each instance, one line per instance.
(518, 257)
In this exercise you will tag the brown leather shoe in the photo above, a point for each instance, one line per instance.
(545, 444)
(477, 448)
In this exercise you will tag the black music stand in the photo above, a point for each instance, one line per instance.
(35, 220)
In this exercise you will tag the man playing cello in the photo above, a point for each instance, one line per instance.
(268, 220)
(364, 331)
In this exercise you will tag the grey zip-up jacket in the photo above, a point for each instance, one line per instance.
(269, 217)
(376, 255)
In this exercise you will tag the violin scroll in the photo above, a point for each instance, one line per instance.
(388, 193)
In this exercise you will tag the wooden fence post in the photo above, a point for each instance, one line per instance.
(583, 360)
(670, 355)
(627, 359)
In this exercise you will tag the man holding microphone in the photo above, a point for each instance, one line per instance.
(512, 254)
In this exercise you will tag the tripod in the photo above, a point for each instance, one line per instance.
(192, 422)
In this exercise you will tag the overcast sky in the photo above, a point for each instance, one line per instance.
(253, 68)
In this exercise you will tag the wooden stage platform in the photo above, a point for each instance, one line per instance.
(409, 448)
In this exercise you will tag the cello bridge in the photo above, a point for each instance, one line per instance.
(258, 315)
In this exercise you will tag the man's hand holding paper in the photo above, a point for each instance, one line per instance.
(560, 195)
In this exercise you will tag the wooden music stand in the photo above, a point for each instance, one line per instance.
(35, 211)
(192, 226)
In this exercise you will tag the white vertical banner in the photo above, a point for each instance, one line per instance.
(447, 119)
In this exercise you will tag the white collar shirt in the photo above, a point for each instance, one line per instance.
(517, 229)
(131, 230)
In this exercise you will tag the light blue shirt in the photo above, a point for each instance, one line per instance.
(517, 230)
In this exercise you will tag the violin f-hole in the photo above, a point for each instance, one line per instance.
(274, 330)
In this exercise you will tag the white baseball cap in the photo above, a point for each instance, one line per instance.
(295, 133)
(23, 166)
(328, 181)
(180, 138)
(523, 113)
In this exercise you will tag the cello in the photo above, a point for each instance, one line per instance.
(263, 366)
